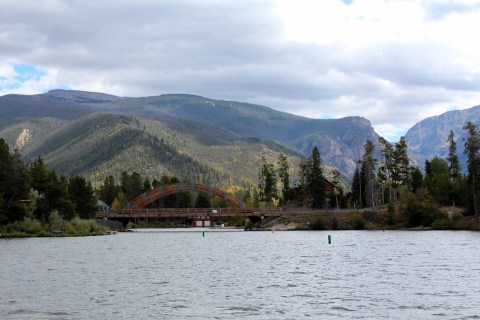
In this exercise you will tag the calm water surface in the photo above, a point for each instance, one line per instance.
(243, 275)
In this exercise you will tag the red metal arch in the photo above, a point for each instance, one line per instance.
(146, 198)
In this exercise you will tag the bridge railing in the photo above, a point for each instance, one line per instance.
(187, 212)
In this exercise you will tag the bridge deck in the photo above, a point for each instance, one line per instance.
(188, 212)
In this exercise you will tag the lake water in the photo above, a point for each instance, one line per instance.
(177, 274)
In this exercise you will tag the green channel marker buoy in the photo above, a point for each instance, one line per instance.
(329, 239)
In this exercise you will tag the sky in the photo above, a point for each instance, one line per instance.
(393, 62)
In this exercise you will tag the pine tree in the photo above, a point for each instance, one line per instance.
(417, 180)
(401, 175)
(453, 162)
(302, 180)
(267, 182)
(14, 185)
(386, 166)
(336, 183)
(202, 201)
(437, 179)
(40, 182)
(147, 186)
(356, 187)
(472, 148)
(456, 178)
(109, 190)
(368, 178)
(284, 176)
(315, 180)
(82, 196)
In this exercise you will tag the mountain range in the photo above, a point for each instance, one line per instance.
(428, 138)
(192, 137)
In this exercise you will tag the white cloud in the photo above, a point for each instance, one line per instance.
(393, 62)
(26, 79)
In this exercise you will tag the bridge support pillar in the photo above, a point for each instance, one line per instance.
(256, 220)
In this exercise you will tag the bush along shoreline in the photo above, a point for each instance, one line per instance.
(389, 218)
(56, 226)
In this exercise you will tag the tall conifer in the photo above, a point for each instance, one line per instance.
(315, 180)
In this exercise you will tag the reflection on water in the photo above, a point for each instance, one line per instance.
(236, 275)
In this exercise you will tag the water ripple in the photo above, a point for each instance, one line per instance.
(253, 275)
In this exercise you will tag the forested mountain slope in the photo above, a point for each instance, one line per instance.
(340, 140)
(228, 137)
(102, 144)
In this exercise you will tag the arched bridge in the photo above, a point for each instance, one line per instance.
(137, 209)
(143, 200)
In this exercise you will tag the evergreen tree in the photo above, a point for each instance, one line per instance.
(131, 185)
(82, 196)
(202, 201)
(156, 183)
(267, 182)
(386, 166)
(302, 189)
(367, 174)
(453, 162)
(336, 183)
(417, 180)
(52, 192)
(472, 148)
(283, 173)
(147, 186)
(57, 196)
(40, 182)
(356, 188)
(456, 178)
(315, 180)
(437, 179)
(109, 190)
(401, 174)
(395, 167)
(14, 185)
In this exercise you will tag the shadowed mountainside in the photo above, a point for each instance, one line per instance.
(428, 138)
(85, 132)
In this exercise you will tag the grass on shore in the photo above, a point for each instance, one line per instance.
(56, 228)
(369, 220)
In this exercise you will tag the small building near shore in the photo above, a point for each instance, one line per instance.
(203, 221)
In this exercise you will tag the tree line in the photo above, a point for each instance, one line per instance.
(393, 181)
(275, 188)
(33, 191)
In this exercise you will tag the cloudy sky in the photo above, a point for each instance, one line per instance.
(393, 62)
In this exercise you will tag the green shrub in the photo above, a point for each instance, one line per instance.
(430, 212)
(457, 216)
(79, 226)
(420, 212)
(358, 222)
(459, 222)
(240, 222)
(442, 224)
(390, 219)
(32, 226)
(131, 225)
(318, 224)
(55, 221)
(456, 222)
(333, 223)
(27, 226)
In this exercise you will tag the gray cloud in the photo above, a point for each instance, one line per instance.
(231, 50)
